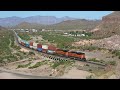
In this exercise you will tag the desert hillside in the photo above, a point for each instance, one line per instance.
(109, 26)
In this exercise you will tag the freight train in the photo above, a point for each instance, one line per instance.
(51, 49)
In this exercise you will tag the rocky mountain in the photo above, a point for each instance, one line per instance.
(64, 25)
(46, 20)
(2, 28)
(109, 26)
(76, 24)
(112, 42)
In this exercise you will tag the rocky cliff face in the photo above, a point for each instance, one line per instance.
(111, 18)
(109, 26)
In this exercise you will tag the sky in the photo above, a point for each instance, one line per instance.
(59, 14)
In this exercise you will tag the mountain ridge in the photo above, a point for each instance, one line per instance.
(46, 20)
(109, 26)
(64, 25)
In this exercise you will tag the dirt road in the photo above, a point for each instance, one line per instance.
(6, 74)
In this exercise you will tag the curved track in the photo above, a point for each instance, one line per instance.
(55, 57)
(28, 76)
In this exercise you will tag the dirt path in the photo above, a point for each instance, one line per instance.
(8, 74)
(76, 74)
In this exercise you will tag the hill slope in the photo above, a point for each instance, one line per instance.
(110, 25)
(65, 25)
(46, 20)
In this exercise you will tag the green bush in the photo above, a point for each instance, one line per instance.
(24, 66)
(37, 64)
(112, 63)
(89, 77)
(116, 52)
(94, 60)
(56, 64)
(31, 53)
(87, 65)
(119, 57)
(90, 70)
(16, 47)
(24, 36)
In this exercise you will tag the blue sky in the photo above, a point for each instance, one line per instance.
(75, 14)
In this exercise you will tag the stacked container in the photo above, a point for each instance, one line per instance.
(19, 40)
(35, 46)
(31, 44)
(44, 48)
(51, 49)
(27, 44)
(23, 42)
(39, 47)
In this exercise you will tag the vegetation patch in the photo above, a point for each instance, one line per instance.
(61, 41)
(90, 47)
(65, 63)
(24, 36)
(112, 63)
(38, 64)
(116, 52)
(24, 66)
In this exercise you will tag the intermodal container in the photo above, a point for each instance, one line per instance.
(51, 47)
(39, 45)
(39, 49)
(31, 43)
(50, 52)
(22, 43)
(44, 46)
(35, 46)
(27, 44)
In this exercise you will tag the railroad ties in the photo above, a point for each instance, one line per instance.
(54, 58)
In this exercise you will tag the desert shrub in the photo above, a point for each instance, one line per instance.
(37, 65)
(112, 63)
(24, 66)
(31, 53)
(94, 60)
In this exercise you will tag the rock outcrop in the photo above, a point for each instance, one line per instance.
(109, 26)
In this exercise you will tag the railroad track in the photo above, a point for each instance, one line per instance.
(56, 57)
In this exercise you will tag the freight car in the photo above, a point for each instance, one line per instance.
(50, 49)
(39, 47)
(31, 44)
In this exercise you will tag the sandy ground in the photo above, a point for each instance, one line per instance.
(24, 50)
(45, 70)
(5, 75)
(76, 74)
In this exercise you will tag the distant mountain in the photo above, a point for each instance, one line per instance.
(109, 26)
(46, 20)
(26, 25)
(2, 28)
(64, 25)
(76, 24)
